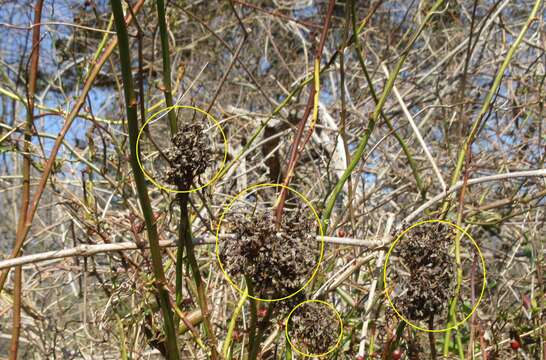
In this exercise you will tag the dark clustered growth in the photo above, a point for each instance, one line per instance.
(188, 156)
(277, 259)
(314, 328)
(424, 252)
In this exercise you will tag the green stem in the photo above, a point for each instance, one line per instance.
(232, 324)
(122, 341)
(405, 149)
(103, 41)
(253, 320)
(261, 329)
(153, 238)
(453, 304)
(330, 202)
(189, 248)
(179, 275)
(488, 99)
(252, 329)
(167, 88)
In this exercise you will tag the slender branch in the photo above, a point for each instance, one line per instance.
(232, 324)
(280, 15)
(90, 250)
(312, 104)
(375, 286)
(25, 197)
(253, 309)
(507, 340)
(331, 200)
(488, 99)
(186, 243)
(358, 47)
(416, 131)
(459, 184)
(167, 88)
(58, 142)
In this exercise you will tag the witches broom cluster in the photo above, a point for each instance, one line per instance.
(188, 156)
(277, 259)
(427, 284)
(314, 328)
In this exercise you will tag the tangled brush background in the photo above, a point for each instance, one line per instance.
(380, 113)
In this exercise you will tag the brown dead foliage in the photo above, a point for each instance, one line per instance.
(278, 260)
(189, 155)
(426, 277)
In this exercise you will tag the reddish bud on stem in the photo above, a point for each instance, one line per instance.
(514, 344)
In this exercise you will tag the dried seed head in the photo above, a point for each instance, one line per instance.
(277, 260)
(188, 156)
(424, 253)
(314, 328)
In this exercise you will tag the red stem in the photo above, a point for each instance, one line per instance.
(295, 151)
(31, 90)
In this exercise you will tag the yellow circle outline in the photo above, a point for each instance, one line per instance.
(340, 337)
(474, 308)
(167, 109)
(225, 211)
